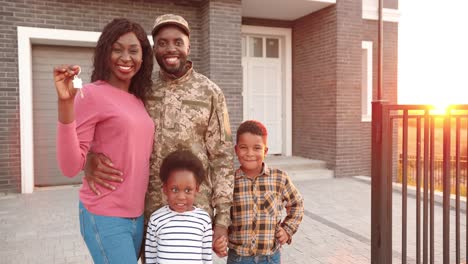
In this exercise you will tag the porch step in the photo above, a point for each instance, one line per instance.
(300, 169)
(294, 162)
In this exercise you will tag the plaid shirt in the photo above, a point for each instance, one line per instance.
(258, 208)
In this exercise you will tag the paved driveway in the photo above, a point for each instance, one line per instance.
(43, 227)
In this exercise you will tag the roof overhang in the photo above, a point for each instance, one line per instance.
(282, 9)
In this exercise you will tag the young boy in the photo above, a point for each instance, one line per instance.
(258, 230)
(180, 232)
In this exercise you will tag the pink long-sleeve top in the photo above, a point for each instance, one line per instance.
(115, 123)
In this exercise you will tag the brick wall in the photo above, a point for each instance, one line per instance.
(92, 15)
(221, 31)
(204, 14)
(354, 156)
(327, 85)
(314, 86)
(348, 113)
(393, 4)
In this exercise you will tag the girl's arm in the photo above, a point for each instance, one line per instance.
(207, 243)
(151, 244)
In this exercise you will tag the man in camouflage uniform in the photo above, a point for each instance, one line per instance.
(189, 112)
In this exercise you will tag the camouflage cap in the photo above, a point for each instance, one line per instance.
(170, 19)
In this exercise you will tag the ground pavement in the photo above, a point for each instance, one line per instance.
(43, 227)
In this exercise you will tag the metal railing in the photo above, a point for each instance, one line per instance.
(438, 165)
(453, 124)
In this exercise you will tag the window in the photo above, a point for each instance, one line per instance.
(366, 81)
(370, 10)
(260, 47)
(256, 47)
(272, 48)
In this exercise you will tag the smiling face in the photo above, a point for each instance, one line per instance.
(125, 60)
(180, 189)
(171, 48)
(251, 150)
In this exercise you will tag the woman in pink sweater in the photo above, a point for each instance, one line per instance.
(110, 117)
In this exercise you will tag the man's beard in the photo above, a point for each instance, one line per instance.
(174, 71)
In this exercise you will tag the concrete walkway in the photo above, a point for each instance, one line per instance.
(43, 227)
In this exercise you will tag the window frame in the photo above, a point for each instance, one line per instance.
(367, 84)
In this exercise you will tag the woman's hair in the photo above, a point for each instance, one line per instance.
(182, 160)
(141, 82)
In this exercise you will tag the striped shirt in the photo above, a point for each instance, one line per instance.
(174, 237)
(257, 211)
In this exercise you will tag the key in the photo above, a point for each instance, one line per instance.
(78, 84)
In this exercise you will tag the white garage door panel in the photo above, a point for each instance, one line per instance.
(44, 58)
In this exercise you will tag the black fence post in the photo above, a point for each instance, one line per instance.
(447, 188)
(381, 193)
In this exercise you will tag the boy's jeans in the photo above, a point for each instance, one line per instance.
(233, 258)
(111, 239)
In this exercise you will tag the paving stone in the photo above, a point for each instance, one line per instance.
(43, 227)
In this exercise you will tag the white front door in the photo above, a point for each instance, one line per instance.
(263, 86)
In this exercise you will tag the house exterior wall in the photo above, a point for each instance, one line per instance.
(393, 4)
(223, 64)
(326, 58)
(222, 51)
(348, 102)
(315, 86)
(327, 85)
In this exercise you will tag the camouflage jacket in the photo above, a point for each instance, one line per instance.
(190, 113)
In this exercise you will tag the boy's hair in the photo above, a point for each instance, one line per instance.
(182, 160)
(254, 127)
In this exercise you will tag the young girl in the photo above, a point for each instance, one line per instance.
(109, 116)
(180, 232)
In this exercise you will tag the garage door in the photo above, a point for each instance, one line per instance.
(44, 58)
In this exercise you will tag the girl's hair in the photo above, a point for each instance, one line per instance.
(141, 82)
(182, 160)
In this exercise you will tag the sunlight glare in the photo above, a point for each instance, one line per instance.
(432, 53)
(440, 109)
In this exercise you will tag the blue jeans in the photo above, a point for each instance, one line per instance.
(110, 239)
(233, 258)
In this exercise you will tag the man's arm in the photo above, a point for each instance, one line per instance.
(221, 242)
(100, 170)
(220, 153)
